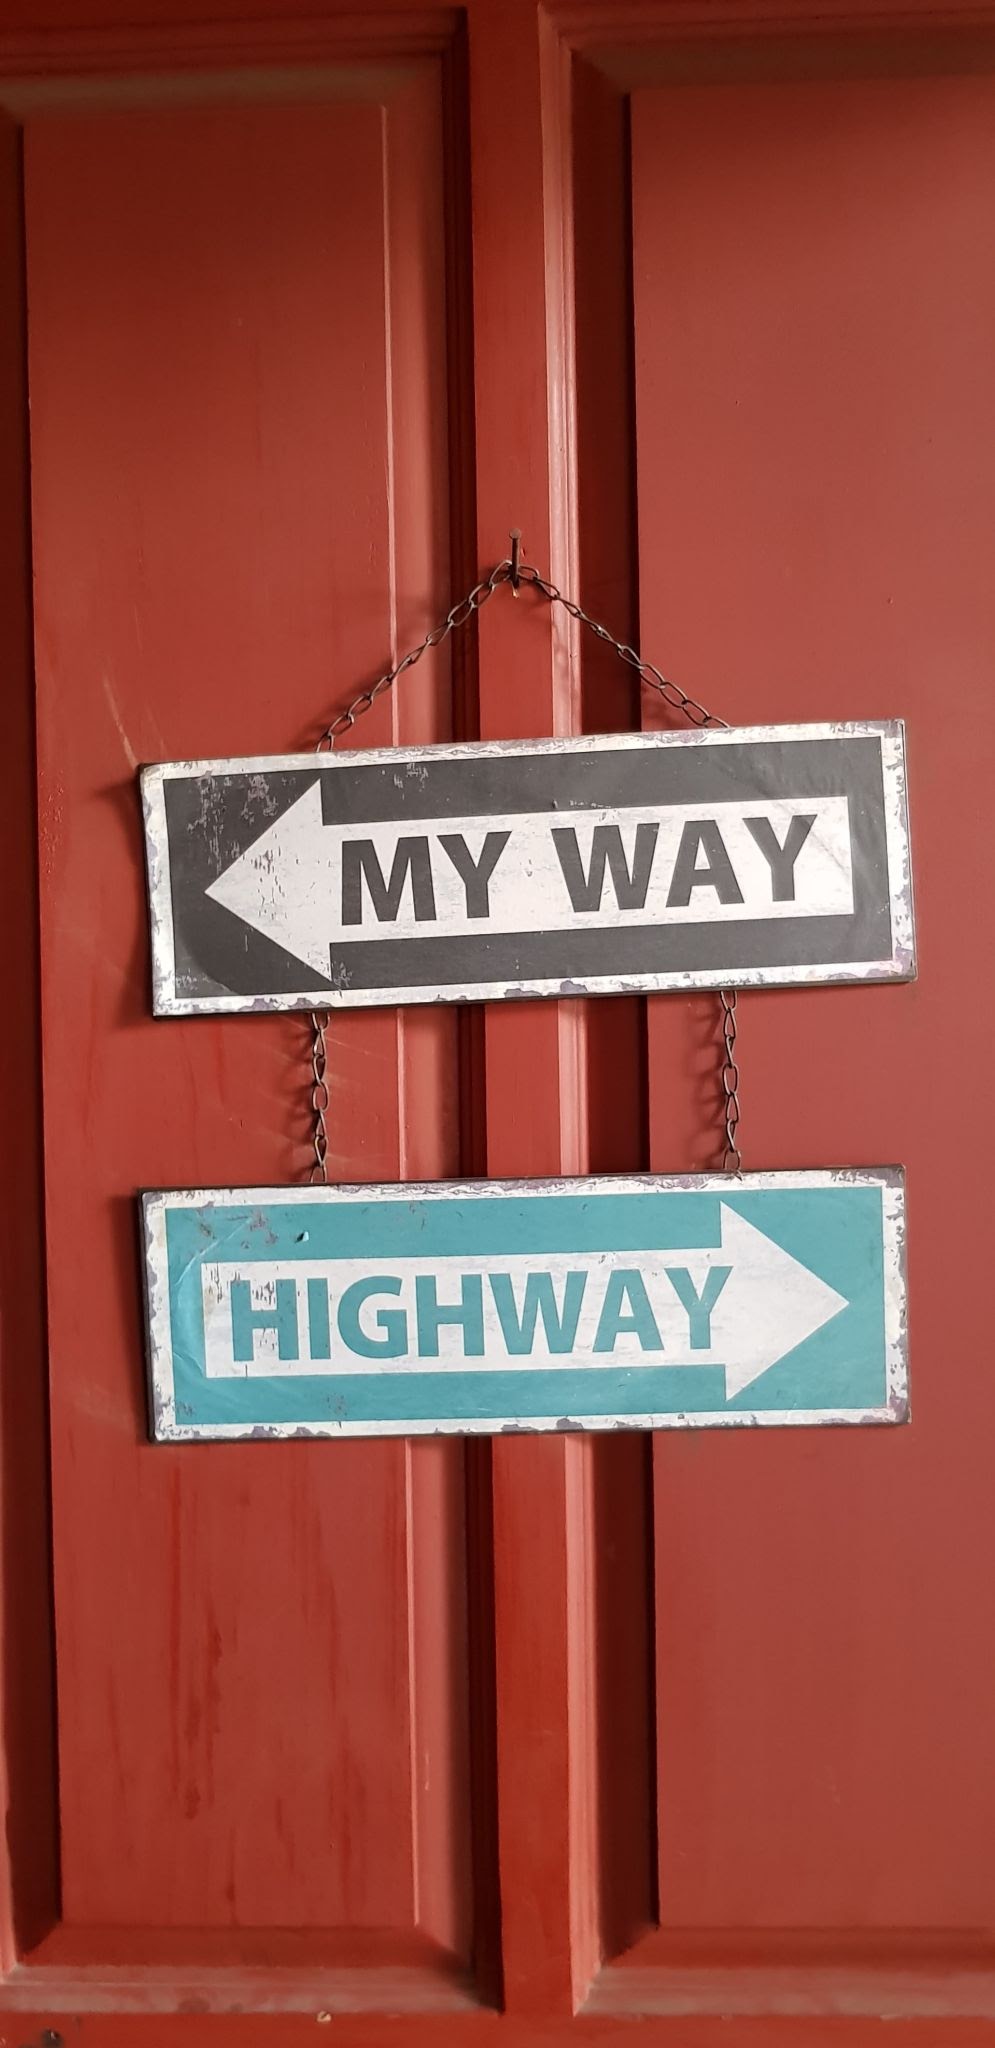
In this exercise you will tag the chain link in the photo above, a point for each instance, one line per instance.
(460, 615)
(517, 573)
(732, 1161)
(670, 691)
(320, 1097)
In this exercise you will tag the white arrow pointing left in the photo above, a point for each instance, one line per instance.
(310, 884)
(282, 884)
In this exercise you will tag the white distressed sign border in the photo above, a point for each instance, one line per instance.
(890, 1180)
(899, 965)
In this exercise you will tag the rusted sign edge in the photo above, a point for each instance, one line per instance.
(899, 965)
(896, 1407)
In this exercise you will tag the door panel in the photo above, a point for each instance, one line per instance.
(814, 326)
(239, 478)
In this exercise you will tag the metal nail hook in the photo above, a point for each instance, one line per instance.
(515, 537)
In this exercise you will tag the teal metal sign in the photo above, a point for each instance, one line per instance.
(596, 1304)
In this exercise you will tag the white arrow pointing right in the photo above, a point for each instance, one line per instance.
(769, 1304)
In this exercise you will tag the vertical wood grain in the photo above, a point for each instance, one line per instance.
(534, 1053)
(28, 1856)
(240, 503)
(815, 321)
(420, 375)
(621, 1679)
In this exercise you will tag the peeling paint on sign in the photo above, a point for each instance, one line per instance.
(656, 1302)
(764, 855)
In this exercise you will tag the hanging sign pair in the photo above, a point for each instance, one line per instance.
(714, 858)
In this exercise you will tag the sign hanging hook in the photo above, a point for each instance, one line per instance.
(515, 577)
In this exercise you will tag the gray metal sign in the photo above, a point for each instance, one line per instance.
(757, 856)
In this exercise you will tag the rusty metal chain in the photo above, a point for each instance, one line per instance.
(670, 691)
(732, 1161)
(320, 1097)
(460, 615)
(518, 573)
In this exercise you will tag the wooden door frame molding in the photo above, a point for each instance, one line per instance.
(600, 28)
(192, 50)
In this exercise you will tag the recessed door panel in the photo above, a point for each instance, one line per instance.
(815, 321)
(239, 451)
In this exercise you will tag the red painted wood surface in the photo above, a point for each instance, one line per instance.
(217, 487)
(685, 1741)
(27, 1763)
(815, 320)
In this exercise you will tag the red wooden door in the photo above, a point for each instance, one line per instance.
(541, 1738)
